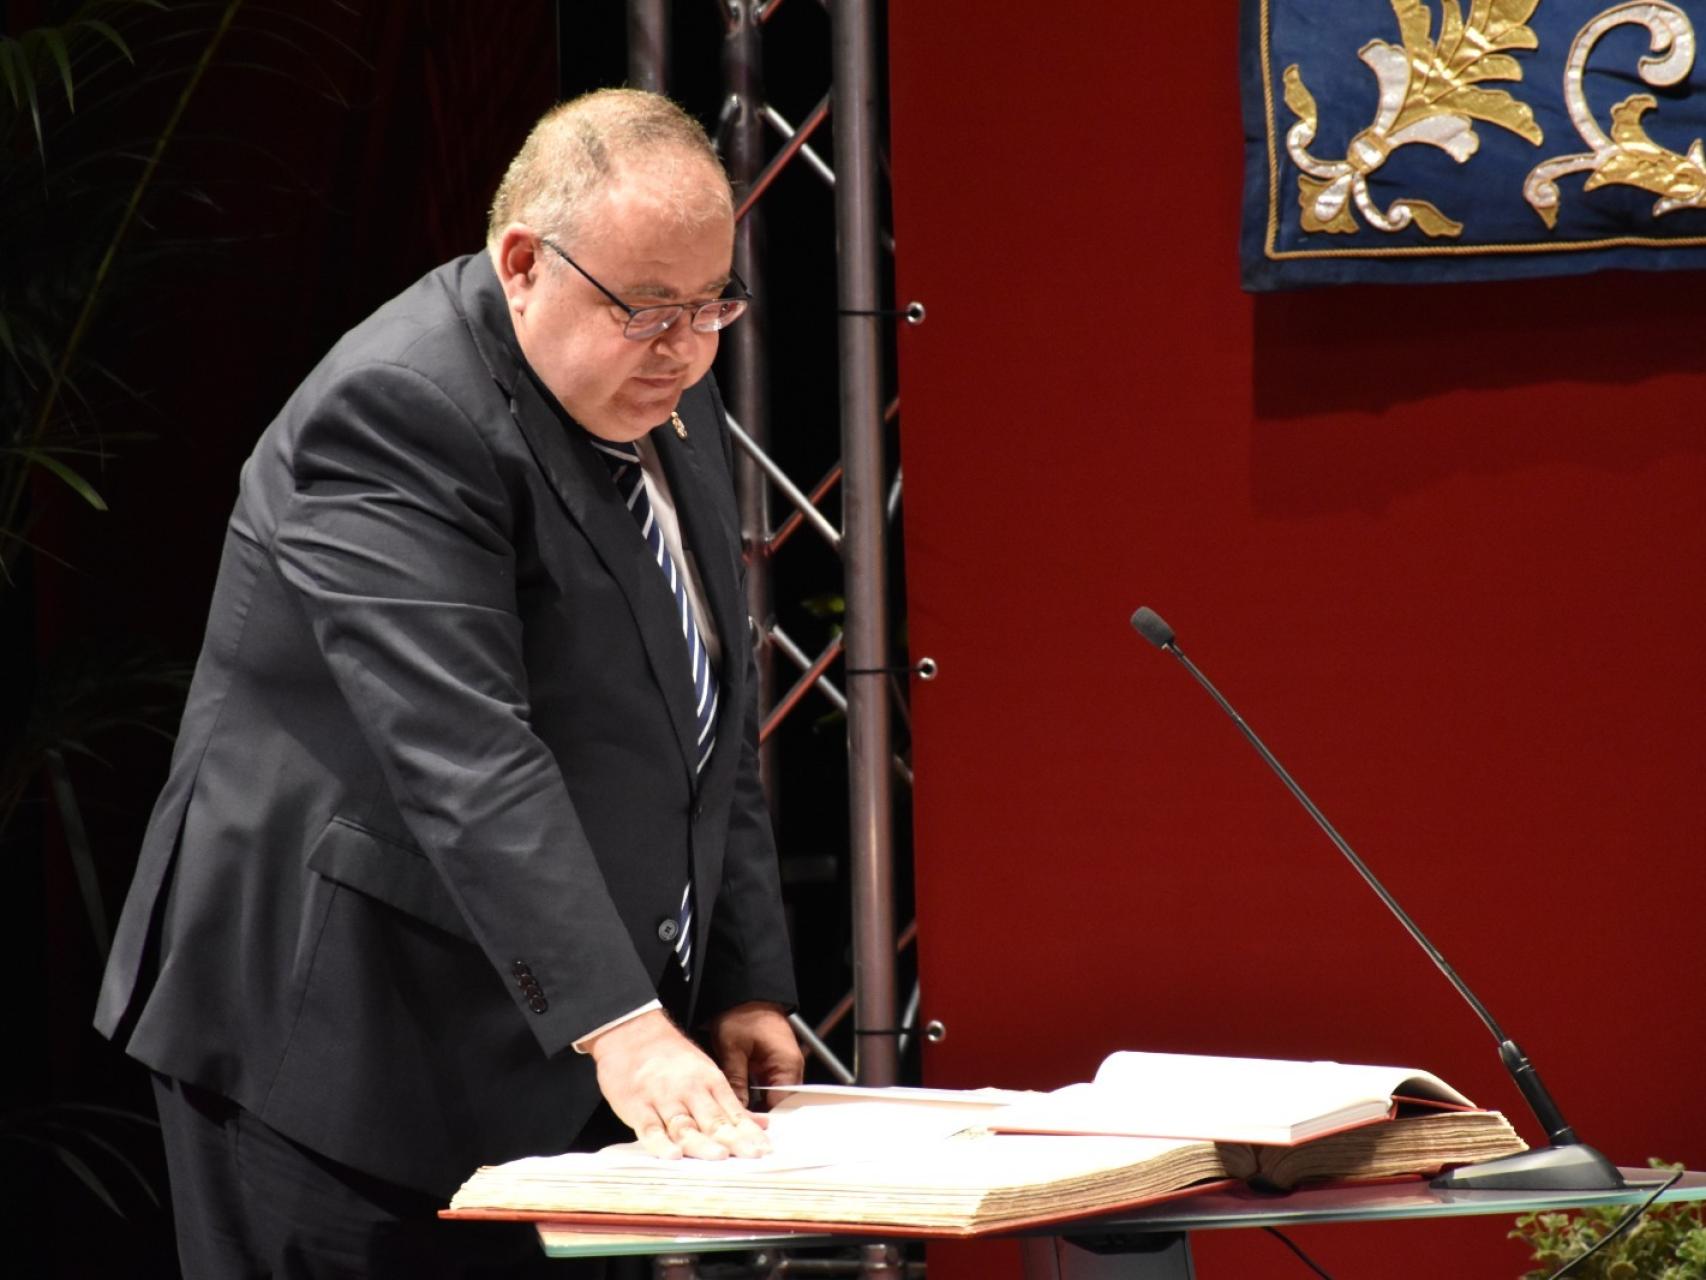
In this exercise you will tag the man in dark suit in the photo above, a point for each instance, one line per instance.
(463, 822)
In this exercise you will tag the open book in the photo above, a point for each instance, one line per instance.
(930, 1162)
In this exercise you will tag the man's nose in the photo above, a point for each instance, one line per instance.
(681, 340)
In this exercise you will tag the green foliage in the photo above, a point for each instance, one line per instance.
(36, 55)
(71, 181)
(77, 159)
(82, 694)
(92, 110)
(1668, 1242)
(87, 1141)
(73, 177)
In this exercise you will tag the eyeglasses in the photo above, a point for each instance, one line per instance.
(645, 323)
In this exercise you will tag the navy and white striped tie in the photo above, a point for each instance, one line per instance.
(624, 462)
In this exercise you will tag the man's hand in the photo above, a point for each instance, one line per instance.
(670, 1094)
(754, 1044)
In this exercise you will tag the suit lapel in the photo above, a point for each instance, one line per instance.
(582, 484)
(582, 481)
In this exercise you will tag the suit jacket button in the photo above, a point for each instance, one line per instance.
(538, 1004)
(668, 929)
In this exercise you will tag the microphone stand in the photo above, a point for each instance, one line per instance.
(1565, 1164)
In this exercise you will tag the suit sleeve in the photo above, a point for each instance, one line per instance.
(749, 957)
(398, 540)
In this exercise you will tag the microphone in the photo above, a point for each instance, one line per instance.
(1566, 1164)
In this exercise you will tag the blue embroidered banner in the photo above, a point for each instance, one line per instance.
(1434, 140)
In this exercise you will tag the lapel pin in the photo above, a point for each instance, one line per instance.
(680, 426)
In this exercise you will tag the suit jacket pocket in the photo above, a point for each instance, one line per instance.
(396, 874)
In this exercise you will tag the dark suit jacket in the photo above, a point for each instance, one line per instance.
(433, 799)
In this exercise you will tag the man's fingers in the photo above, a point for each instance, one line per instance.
(741, 1135)
(745, 1139)
(727, 1105)
(654, 1137)
(719, 1116)
(702, 1146)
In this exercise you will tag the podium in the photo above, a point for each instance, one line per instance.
(1151, 1243)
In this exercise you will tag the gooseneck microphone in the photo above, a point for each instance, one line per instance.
(1564, 1165)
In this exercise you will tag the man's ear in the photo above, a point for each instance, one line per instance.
(517, 264)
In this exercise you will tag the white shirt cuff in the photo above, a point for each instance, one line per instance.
(581, 1044)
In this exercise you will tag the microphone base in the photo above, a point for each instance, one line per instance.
(1572, 1167)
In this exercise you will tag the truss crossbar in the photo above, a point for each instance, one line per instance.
(802, 686)
(773, 170)
(777, 121)
(795, 519)
(789, 489)
(797, 656)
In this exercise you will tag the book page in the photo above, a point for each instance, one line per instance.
(1258, 1100)
(1133, 1069)
(819, 1125)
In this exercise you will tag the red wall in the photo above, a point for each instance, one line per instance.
(1442, 546)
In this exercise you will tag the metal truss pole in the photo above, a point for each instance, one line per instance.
(741, 135)
(648, 45)
(859, 230)
(867, 498)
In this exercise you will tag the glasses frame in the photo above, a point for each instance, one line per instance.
(678, 309)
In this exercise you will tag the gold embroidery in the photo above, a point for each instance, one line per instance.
(1428, 93)
(1374, 251)
(1628, 156)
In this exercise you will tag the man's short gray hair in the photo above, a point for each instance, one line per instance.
(577, 147)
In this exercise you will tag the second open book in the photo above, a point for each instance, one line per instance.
(1258, 1100)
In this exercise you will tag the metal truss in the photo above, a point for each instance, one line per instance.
(759, 145)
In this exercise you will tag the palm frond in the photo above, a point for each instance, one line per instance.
(82, 855)
(70, 1134)
(47, 462)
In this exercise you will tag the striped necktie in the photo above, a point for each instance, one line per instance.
(623, 460)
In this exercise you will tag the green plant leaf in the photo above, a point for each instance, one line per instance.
(110, 1112)
(828, 605)
(106, 32)
(87, 1176)
(54, 39)
(82, 856)
(1665, 1244)
(111, 1150)
(21, 81)
(9, 53)
(61, 1129)
(84, 489)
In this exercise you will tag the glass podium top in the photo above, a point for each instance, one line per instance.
(1236, 1207)
(1381, 1201)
